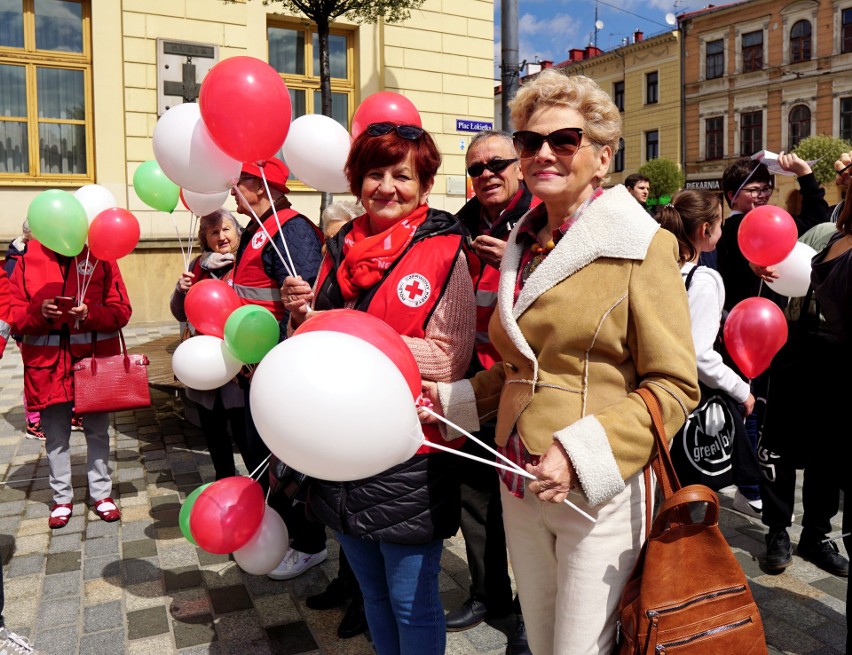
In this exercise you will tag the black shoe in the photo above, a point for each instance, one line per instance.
(779, 551)
(335, 595)
(470, 614)
(824, 555)
(517, 644)
(354, 622)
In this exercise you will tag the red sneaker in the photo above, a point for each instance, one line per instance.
(76, 422)
(107, 510)
(34, 431)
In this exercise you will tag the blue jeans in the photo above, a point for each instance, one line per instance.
(401, 599)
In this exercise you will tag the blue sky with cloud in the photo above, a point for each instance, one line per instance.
(548, 29)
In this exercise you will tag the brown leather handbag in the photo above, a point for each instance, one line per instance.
(687, 593)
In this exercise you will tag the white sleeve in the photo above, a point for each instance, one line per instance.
(706, 298)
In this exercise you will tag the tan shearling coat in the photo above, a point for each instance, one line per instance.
(604, 313)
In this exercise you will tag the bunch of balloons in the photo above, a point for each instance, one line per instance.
(231, 334)
(65, 222)
(231, 516)
(756, 329)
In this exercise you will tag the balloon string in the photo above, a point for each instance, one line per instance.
(277, 222)
(180, 242)
(514, 467)
(259, 470)
(263, 229)
(193, 227)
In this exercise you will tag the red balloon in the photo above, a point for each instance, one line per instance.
(208, 304)
(227, 514)
(754, 332)
(373, 330)
(384, 106)
(113, 234)
(246, 108)
(767, 234)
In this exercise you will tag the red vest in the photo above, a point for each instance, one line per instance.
(250, 280)
(408, 294)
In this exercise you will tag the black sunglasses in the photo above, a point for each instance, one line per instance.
(495, 166)
(410, 132)
(564, 142)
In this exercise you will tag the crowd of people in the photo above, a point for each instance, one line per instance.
(553, 392)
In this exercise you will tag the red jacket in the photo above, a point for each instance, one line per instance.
(5, 301)
(49, 349)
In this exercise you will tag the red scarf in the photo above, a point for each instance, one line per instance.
(367, 256)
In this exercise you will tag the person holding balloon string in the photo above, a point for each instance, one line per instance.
(403, 263)
(591, 306)
(218, 234)
(57, 264)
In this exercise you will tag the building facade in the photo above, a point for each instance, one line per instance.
(762, 75)
(83, 83)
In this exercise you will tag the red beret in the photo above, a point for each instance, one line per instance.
(276, 172)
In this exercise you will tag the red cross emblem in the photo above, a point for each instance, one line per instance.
(413, 290)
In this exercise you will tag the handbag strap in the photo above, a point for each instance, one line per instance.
(661, 460)
(123, 350)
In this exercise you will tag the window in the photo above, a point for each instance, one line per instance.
(714, 138)
(800, 41)
(618, 95)
(800, 124)
(45, 87)
(652, 145)
(752, 51)
(846, 118)
(618, 160)
(846, 31)
(294, 53)
(715, 59)
(751, 133)
(652, 87)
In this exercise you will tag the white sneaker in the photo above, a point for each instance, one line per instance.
(295, 563)
(12, 644)
(748, 507)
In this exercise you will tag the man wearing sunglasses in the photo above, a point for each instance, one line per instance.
(500, 200)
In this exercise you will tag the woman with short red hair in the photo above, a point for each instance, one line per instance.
(404, 263)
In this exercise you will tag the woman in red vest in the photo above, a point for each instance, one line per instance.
(402, 262)
(53, 341)
(218, 236)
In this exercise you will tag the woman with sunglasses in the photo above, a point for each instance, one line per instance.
(591, 306)
(404, 263)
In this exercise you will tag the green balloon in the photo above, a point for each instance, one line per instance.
(154, 188)
(251, 331)
(58, 220)
(186, 510)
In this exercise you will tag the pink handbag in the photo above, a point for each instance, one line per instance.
(112, 383)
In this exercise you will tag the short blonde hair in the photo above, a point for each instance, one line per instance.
(551, 88)
(212, 220)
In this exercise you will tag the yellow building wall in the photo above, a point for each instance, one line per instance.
(441, 59)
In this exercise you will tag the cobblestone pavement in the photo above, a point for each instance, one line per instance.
(139, 587)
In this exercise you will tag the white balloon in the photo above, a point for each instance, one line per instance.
(316, 149)
(334, 407)
(187, 154)
(265, 550)
(204, 362)
(95, 199)
(202, 204)
(794, 272)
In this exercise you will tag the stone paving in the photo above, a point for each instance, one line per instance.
(139, 587)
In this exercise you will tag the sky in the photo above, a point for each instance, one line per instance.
(549, 28)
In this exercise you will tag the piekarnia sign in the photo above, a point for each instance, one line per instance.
(463, 125)
(713, 184)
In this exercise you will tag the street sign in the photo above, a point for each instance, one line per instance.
(466, 125)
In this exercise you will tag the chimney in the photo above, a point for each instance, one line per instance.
(576, 54)
(546, 63)
(593, 51)
(638, 36)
